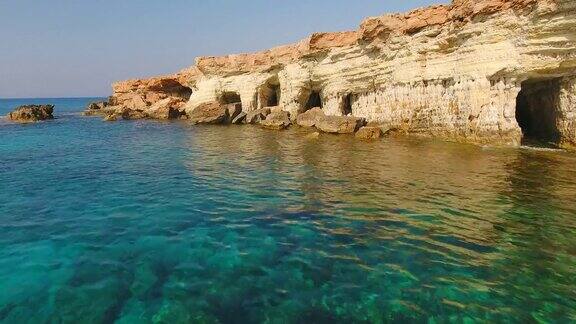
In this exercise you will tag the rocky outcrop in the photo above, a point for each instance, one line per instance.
(167, 108)
(157, 98)
(460, 71)
(32, 113)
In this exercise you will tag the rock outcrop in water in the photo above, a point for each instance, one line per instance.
(32, 113)
(485, 71)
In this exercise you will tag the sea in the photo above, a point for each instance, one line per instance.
(166, 222)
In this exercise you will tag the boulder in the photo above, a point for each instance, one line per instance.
(369, 133)
(209, 113)
(310, 118)
(168, 108)
(241, 118)
(234, 110)
(258, 115)
(278, 119)
(32, 113)
(339, 125)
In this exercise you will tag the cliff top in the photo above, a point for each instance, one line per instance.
(374, 29)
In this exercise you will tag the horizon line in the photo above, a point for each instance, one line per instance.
(58, 97)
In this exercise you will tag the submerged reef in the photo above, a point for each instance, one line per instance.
(486, 72)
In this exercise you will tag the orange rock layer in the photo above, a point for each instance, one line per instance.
(375, 29)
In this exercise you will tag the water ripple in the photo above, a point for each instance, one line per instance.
(135, 222)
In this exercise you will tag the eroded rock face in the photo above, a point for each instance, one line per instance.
(158, 98)
(400, 70)
(32, 113)
(169, 108)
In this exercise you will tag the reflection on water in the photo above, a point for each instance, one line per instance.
(165, 222)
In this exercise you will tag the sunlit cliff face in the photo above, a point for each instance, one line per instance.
(453, 72)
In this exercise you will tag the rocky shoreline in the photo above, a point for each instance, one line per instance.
(490, 72)
(215, 113)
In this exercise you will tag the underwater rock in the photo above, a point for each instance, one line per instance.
(313, 136)
(32, 113)
(369, 133)
(111, 118)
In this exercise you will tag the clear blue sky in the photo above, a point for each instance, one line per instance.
(64, 48)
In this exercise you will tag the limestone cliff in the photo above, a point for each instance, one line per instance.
(484, 71)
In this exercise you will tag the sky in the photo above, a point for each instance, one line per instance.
(77, 48)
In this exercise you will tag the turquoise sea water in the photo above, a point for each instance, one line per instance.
(163, 222)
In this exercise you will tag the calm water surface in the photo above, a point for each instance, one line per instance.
(153, 222)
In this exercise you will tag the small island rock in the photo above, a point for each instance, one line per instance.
(32, 113)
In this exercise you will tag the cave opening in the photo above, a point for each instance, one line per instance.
(274, 97)
(270, 95)
(347, 105)
(230, 98)
(537, 111)
(185, 93)
(314, 100)
(172, 88)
